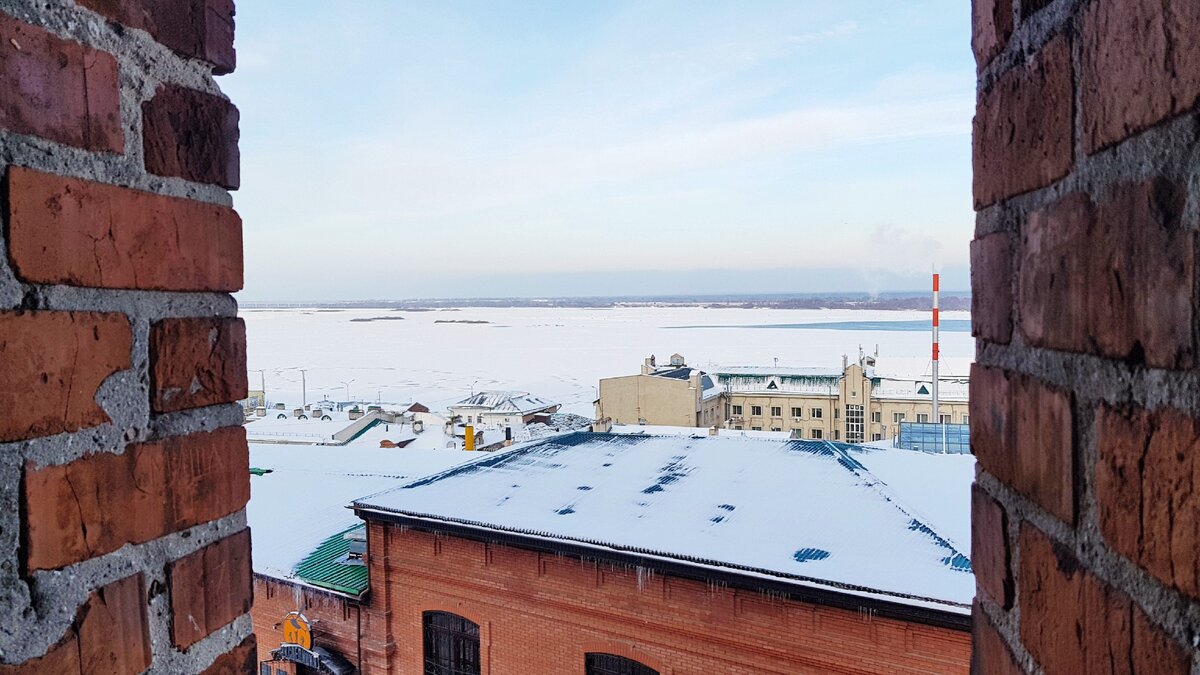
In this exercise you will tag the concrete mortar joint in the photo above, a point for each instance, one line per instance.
(57, 594)
(125, 171)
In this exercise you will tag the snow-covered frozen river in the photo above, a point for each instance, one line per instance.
(561, 353)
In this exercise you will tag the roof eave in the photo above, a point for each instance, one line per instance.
(765, 581)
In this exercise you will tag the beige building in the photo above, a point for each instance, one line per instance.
(851, 404)
(674, 395)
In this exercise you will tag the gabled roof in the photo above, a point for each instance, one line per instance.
(807, 513)
(505, 401)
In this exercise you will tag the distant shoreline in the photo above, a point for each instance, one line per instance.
(950, 301)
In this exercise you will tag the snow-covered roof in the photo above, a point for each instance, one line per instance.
(303, 500)
(767, 371)
(518, 402)
(809, 513)
(949, 389)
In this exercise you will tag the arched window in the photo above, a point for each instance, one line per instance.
(451, 644)
(596, 663)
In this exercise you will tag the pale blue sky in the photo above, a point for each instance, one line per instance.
(417, 149)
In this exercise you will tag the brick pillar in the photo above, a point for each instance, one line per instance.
(1085, 397)
(123, 467)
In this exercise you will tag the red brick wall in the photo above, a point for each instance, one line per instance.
(334, 617)
(123, 475)
(1085, 408)
(540, 613)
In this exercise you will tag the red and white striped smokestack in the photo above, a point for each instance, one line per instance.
(936, 418)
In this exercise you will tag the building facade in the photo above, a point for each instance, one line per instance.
(528, 611)
(670, 395)
(852, 404)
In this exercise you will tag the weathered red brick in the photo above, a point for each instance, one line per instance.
(1054, 286)
(243, 659)
(51, 365)
(192, 135)
(1114, 279)
(197, 362)
(85, 508)
(991, 28)
(1024, 127)
(109, 634)
(989, 653)
(1140, 63)
(1071, 622)
(1154, 651)
(991, 288)
(58, 89)
(989, 547)
(1144, 262)
(991, 408)
(1021, 433)
(70, 231)
(210, 588)
(113, 632)
(1148, 491)
(201, 29)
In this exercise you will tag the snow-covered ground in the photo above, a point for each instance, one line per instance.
(556, 353)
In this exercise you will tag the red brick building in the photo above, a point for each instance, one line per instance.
(449, 594)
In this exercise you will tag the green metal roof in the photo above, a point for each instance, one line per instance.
(323, 567)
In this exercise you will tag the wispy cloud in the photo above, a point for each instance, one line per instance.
(549, 148)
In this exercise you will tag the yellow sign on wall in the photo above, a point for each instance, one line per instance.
(297, 630)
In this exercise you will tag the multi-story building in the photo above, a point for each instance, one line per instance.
(672, 395)
(852, 404)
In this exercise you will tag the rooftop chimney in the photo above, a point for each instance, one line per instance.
(936, 418)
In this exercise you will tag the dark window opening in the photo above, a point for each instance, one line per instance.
(610, 664)
(451, 644)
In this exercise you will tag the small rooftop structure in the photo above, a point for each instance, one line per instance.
(807, 514)
(502, 408)
(708, 386)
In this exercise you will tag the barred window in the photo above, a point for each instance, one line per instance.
(451, 644)
(596, 663)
